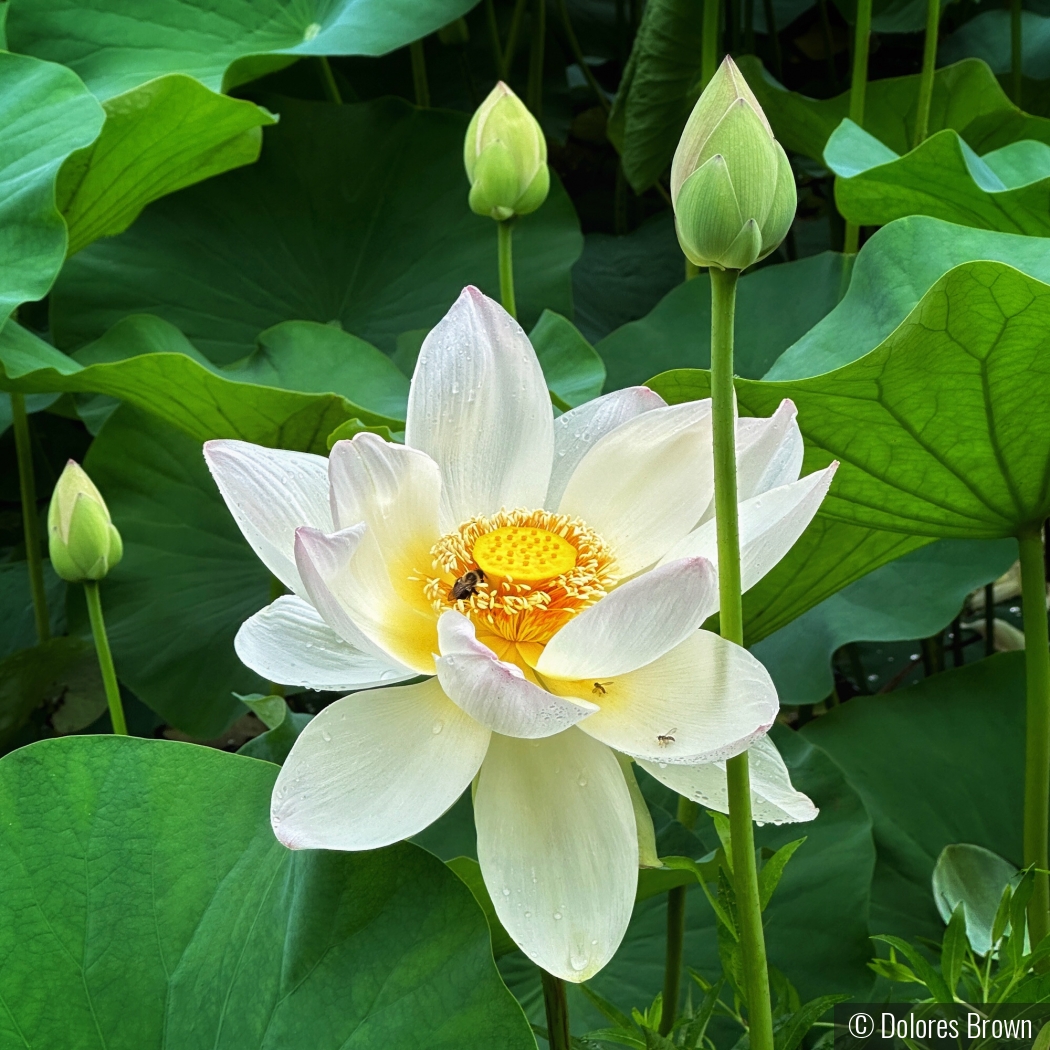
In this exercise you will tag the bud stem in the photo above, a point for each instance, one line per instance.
(505, 231)
(105, 658)
(929, 62)
(557, 1009)
(1037, 726)
(745, 872)
(709, 41)
(331, 88)
(1016, 51)
(419, 74)
(30, 516)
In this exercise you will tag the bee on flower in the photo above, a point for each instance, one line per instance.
(549, 579)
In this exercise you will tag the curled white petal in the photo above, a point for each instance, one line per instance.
(635, 624)
(558, 849)
(705, 700)
(774, 799)
(270, 493)
(290, 643)
(479, 407)
(498, 694)
(768, 451)
(375, 768)
(576, 431)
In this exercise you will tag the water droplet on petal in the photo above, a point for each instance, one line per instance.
(582, 781)
(437, 727)
(326, 736)
(577, 962)
(506, 892)
(557, 914)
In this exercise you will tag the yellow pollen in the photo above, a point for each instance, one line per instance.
(523, 554)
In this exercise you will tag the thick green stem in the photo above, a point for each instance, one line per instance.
(557, 1007)
(30, 516)
(419, 74)
(1037, 727)
(774, 39)
(537, 39)
(105, 658)
(331, 89)
(505, 231)
(512, 38)
(688, 811)
(929, 63)
(1016, 55)
(709, 48)
(857, 93)
(745, 871)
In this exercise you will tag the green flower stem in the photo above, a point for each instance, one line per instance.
(557, 1007)
(30, 516)
(105, 657)
(745, 872)
(1015, 50)
(419, 74)
(709, 42)
(1037, 727)
(330, 87)
(494, 41)
(857, 95)
(505, 231)
(512, 39)
(774, 38)
(688, 811)
(538, 35)
(581, 61)
(929, 63)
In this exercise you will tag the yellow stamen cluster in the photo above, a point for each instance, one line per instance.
(512, 599)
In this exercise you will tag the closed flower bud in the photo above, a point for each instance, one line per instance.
(505, 155)
(83, 541)
(731, 184)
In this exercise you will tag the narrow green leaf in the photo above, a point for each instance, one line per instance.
(954, 947)
(773, 869)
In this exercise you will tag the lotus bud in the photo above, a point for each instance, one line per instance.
(731, 184)
(505, 155)
(83, 541)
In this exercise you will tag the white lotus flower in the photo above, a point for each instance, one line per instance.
(550, 576)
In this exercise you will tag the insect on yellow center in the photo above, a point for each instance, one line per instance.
(528, 555)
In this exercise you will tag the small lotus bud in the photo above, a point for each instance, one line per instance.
(731, 184)
(505, 155)
(83, 541)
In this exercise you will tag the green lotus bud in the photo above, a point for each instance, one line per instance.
(731, 184)
(505, 155)
(83, 541)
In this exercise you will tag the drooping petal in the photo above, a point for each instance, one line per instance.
(644, 485)
(375, 768)
(774, 800)
(347, 582)
(558, 849)
(479, 407)
(635, 624)
(770, 525)
(768, 451)
(270, 493)
(576, 431)
(498, 694)
(705, 700)
(289, 642)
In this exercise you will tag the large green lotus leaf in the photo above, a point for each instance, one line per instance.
(571, 366)
(116, 45)
(894, 270)
(775, 306)
(816, 923)
(966, 98)
(355, 215)
(987, 37)
(1006, 189)
(145, 893)
(46, 114)
(944, 429)
(187, 581)
(912, 597)
(937, 763)
(277, 396)
(158, 138)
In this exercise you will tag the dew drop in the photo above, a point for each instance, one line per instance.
(311, 30)
(435, 729)
(577, 962)
(595, 941)
(326, 736)
(528, 915)
(506, 892)
(557, 915)
(582, 781)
